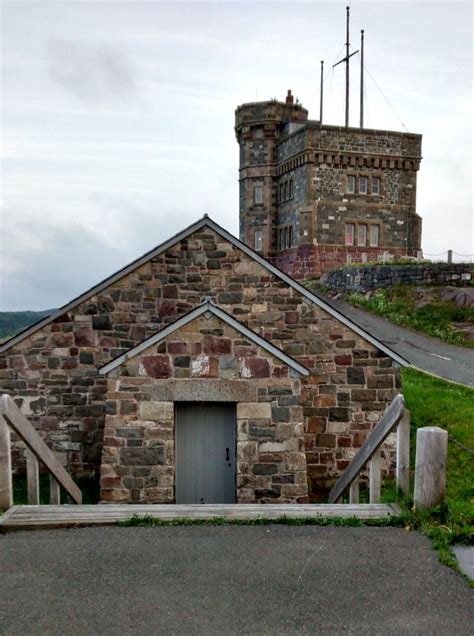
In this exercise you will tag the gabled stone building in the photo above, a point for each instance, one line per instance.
(201, 372)
(314, 197)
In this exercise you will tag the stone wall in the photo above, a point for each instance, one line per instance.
(53, 373)
(210, 361)
(368, 277)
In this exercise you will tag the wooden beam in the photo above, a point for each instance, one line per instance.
(375, 477)
(403, 454)
(354, 492)
(24, 429)
(54, 491)
(6, 486)
(32, 478)
(389, 420)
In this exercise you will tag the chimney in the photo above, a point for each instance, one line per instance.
(289, 97)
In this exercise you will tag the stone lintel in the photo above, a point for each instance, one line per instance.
(196, 390)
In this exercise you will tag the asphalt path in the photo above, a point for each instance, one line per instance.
(425, 353)
(229, 580)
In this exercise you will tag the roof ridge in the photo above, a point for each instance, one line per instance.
(204, 221)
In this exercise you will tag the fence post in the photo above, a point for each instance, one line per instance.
(430, 466)
(6, 487)
(32, 478)
(403, 454)
(375, 477)
(354, 491)
(54, 491)
(450, 257)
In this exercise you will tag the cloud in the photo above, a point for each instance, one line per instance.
(90, 72)
(49, 270)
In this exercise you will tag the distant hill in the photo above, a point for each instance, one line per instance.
(11, 322)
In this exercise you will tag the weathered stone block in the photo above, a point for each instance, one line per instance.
(157, 411)
(254, 368)
(264, 469)
(147, 456)
(355, 375)
(155, 366)
(253, 411)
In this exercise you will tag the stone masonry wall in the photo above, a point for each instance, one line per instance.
(53, 374)
(139, 444)
(362, 279)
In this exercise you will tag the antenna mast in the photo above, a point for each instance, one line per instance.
(346, 60)
(321, 96)
(362, 78)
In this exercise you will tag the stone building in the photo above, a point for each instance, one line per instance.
(314, 197)
(117, 380)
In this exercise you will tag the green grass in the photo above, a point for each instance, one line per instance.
(88, 487)
(435, 402)
(437, 319)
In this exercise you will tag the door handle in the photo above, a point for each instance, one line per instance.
(227, 458)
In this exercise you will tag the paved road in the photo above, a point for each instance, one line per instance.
(425, 353)
(229, 580)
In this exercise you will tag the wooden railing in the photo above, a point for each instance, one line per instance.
(36, 451)
(394, 417)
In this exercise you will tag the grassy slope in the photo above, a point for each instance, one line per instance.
(437, 319)
(11, 322)
(435, 402)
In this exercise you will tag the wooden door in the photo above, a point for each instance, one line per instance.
(205, 452)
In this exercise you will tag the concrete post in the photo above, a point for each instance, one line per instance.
(430, 466)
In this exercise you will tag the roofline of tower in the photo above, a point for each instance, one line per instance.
(269, 102)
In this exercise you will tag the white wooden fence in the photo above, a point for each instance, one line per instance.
(36, 451)
(395, 417)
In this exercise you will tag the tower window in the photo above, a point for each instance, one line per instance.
(374, 236)
(290, 188)
(363, 185)
(258, 194)
(350, 184)
(290, 236)
(350, 232)
(258, 240)
(362, 234)
(375, 185)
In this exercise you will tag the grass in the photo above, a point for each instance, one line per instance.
(437, 318)
(435, 402)
(89, 488)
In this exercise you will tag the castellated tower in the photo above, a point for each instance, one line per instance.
(258, 128)
(314, 197)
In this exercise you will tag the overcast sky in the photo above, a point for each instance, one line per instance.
(117, 119)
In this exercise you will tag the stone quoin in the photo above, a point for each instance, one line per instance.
(202, 318)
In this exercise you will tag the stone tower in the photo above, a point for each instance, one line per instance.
(258, 129)
(314, 197)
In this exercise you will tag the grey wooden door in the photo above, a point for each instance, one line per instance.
(205, 453)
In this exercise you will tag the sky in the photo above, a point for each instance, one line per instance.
(117, 119)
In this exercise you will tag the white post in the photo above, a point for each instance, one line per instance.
(54, 491)
(6, 486)
(354, 491)
(430, 466)
(32, 478)
(375, 477)
(403, 454)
